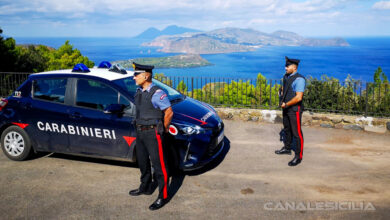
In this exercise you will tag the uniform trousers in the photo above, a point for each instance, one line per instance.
(149, 148)
(292, 127)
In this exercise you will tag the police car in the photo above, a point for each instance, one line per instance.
(90, 112)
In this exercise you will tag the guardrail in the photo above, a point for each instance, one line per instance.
(348, 97)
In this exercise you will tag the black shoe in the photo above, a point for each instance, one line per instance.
(137, 192)
(294, 161)
(159, 203)
(284, 150)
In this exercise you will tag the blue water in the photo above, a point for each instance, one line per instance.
(360, 60)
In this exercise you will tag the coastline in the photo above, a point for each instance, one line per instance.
(360, 60)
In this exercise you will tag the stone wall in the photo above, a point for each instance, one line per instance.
(370, 124)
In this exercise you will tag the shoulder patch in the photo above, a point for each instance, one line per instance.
(163, 96)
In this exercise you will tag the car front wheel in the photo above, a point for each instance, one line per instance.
(15, 143)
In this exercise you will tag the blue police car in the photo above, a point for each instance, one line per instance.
(90, 112)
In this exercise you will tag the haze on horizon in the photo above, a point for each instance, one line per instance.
(121, 18)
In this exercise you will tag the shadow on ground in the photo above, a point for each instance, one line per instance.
(213, 164)
(176, 179)
(93, 160)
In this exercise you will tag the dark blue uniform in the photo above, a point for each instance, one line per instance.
(292, 115)
(150, 104)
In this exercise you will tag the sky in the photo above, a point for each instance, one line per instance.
(127, 18)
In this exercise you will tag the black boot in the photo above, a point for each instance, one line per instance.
(295, 161)
(159, 203)
(142, 190)
(284, 150)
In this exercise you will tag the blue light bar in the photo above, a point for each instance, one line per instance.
(81, 68)
(105, 65)
(117, 68)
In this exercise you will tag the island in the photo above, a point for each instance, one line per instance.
(178, 61)
(228, 40)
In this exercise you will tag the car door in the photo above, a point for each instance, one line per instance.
(99, 133)
(47, 111)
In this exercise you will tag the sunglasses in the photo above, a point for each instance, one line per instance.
(138, 72)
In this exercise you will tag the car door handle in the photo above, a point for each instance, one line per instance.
(76, 115)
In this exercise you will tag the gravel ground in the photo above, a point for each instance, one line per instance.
(340, 168)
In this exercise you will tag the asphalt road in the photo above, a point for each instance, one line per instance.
(341, 170)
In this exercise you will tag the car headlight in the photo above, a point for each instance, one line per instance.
(189, 130)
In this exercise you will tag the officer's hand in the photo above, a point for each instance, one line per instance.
(283, 105)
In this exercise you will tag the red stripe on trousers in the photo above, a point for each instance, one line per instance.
(160, 152)
(299, 131)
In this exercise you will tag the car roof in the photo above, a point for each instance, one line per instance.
(96, 72)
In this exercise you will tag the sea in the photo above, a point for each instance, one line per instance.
(359, 60)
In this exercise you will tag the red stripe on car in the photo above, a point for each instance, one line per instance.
(20, 124)
(129, 140)
(202, 122)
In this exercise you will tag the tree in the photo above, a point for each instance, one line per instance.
(31, 58)
(8, 54)
(380, 92)
(380, 77)
(164, 79)
(377, 77)
(66, 57)
(182, 87)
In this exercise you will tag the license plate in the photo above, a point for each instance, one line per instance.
(220, 137)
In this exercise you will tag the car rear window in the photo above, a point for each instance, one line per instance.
(50, 89)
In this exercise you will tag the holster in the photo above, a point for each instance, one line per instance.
(160, 127)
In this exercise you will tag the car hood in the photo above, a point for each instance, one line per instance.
(195, 112)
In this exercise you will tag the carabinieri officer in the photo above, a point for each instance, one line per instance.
(153, 116)
(291, 102)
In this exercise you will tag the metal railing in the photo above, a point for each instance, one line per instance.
(349, 97)
(9, 81)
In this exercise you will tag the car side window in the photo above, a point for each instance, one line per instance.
(128, 105)
(95, 95)
(50, 89)
(128, 84)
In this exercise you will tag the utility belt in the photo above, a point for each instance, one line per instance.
(145, 127)
(149, 124)
(294, 108)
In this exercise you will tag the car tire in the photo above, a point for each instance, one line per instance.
(15, 143)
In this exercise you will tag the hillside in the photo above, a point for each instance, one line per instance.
(179, 61)
(227, 40)
(152, 33)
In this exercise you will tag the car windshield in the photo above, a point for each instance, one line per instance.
(129, 85)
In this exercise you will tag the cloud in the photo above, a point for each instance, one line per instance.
(224, 12)
(382, 5)
(156, 6)
(11, 9)
(138, 15)
(260, 21)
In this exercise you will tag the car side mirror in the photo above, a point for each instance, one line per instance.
(114, 108)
